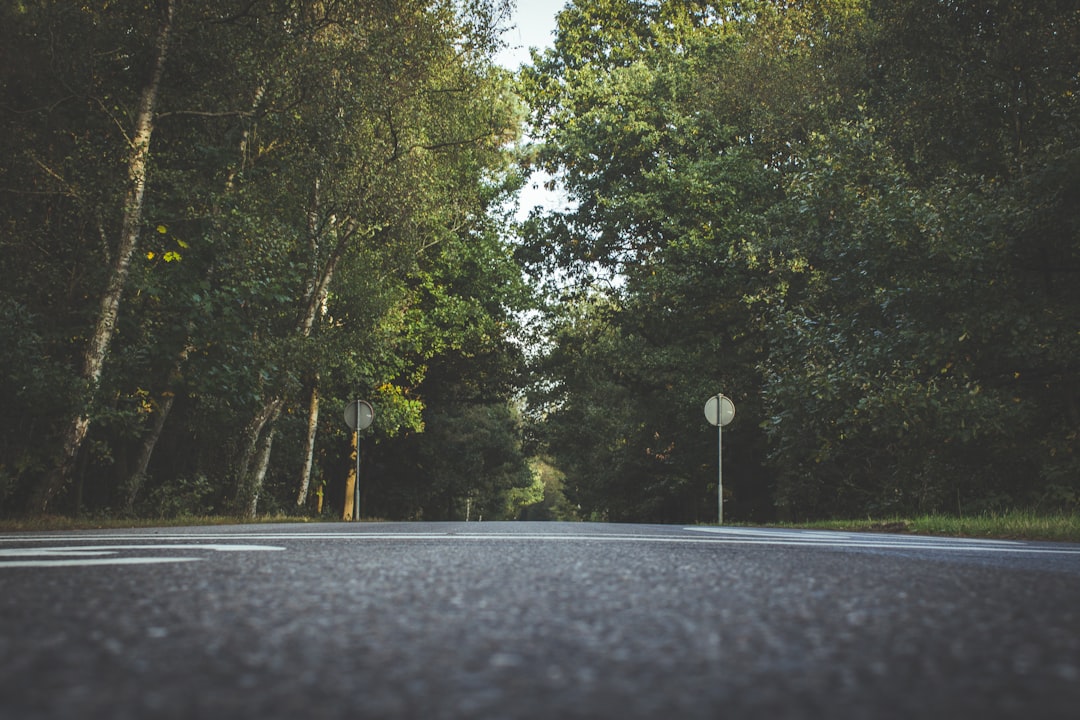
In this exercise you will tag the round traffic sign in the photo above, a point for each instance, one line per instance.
(719, 410)
(359, 414)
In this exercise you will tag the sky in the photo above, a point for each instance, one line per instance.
(532, 25)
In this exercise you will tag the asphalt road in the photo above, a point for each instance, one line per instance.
(534, 620)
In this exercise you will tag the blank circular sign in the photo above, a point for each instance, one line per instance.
(359, 414)
(719, 410)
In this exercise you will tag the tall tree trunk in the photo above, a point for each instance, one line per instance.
(245, 137)
(258, 439)
(98, 347)
(262, 463)
(138, 476)
(309, 444)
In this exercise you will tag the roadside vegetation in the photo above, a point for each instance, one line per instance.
(49, 523)
(1012, 525)
(224, 221)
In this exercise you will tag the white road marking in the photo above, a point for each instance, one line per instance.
(85, 562)
(816, 538)
(700, 535)
(80, 555)
(820, 535)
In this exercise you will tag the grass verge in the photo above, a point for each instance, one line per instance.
(60, 522)
(1013, 525)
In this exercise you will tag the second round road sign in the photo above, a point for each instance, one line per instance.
(719, 410)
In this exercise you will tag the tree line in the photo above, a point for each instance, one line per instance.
(859, 219)
(222, 221)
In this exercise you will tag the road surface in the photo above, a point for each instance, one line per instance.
(534, 620)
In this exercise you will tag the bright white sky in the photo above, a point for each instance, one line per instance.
(532, 25)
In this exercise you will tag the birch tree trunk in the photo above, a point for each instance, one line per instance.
(262, 463)
(309, 444)
(138, 476)
(255, 458)
(98, 347)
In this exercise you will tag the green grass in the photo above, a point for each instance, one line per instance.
(1013, 525)
(59, 522)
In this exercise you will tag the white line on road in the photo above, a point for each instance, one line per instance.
(715, 536)
(85, 562)
(78, 555)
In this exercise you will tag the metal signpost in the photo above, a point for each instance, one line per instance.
(719, 411)
(358, 416)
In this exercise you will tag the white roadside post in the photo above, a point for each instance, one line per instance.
(358, 416)
(719, 411)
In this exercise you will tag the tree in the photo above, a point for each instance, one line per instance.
(470, 458)
(137, 130)
(923, 300)
(401, 138)
(671, 193)
(304, 156)
(847, 202)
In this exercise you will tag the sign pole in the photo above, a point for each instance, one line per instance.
(719, 411)
(356, 485)
(358, 416)
(719, 467)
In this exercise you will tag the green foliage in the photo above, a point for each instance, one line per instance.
(468, 463)
(856, 218)
(321, 211)
(553, 503)
(182, 497)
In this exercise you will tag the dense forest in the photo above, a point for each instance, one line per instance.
(223, 220)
